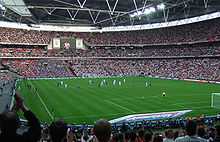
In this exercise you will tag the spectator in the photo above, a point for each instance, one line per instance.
(158, 138)
(9, 123)
(176, 134)
(211, 134)
(58, 131)
(127, 136)
(201, 132)
(169, 136)
(71, 137)
(191, 127)
(86, 137)
(140, 137)
(148, 137)
(118, 137)
(102, 130)
(133, 137)
(217, 139)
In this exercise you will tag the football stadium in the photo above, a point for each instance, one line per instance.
(110, 70)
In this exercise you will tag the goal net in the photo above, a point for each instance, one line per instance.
(215, 100)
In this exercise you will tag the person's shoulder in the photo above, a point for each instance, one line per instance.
(168, 140)
(217, 139)
(181, 139)
(197, 139)
(202, 139)
(16, 137)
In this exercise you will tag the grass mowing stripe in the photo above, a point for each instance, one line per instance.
(93, 116)
(113, 114)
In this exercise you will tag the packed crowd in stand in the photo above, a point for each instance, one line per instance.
(39, 68)
(201, 49)
(21, 51)
(153, 51)
(10, 35)
(186, 68)
(178, 67)
(179, 34)
(186, 33)
(207, 69)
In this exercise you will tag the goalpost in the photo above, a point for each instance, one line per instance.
(215, 100)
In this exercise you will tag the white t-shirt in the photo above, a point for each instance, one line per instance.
(190, 139)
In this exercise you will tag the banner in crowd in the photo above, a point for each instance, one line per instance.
(68, 43)
(79, 44)
(150, 116)
(56, 43)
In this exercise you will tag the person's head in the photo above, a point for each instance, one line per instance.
(127, 136)
(9, 122)
(102, 130)
(191, 127)
(141, 133)
(158, 138)
(217, 127)
(58, 130)
(118, 137)
(201, 132)
(169, 134)
(133, 136)
(148, 137)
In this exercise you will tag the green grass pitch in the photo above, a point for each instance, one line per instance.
(81, 102)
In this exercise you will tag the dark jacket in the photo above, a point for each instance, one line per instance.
(32, 135)
(217, 139)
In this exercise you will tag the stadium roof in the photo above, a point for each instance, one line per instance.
(103, 13)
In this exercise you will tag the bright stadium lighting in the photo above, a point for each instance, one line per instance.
(132, 15)
(149, 10)
(161, 6)
(138, 13)
(2, 7)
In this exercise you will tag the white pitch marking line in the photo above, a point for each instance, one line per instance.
(110, 102)
(45, 106)
(183, 104)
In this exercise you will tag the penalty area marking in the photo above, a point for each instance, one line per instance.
(135, 98)
(122, 107)
(185, 104)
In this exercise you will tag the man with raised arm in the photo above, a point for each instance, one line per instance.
(9, 123)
